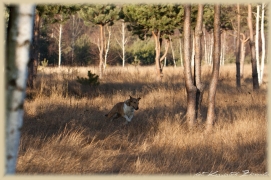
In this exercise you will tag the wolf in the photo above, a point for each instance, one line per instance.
(124, 109)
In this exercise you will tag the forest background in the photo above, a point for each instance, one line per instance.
(71, 40)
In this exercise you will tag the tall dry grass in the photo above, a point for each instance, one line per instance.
(65, 131)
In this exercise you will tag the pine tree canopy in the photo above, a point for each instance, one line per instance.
(100, 14)
(145, 18)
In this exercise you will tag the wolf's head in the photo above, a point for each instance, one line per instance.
(133, 102)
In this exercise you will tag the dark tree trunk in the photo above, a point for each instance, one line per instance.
(198, 57)
(242, 54)
(252, 50)
(215, 73)
(190, 88)
(33, 63)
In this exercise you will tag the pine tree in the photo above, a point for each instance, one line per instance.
(156, 20)
(101, 15)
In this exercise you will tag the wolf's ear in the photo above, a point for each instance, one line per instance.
(138, 98)
(130, 97)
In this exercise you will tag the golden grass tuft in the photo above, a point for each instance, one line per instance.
(65, 131)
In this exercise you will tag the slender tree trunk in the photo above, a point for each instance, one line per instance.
(101, 51)
(33, 63)
(181, 52)
(166, 50)
(252, 50)
(59, 45)
(123, 43)
(257, 42)
(238, 79)
(263, 46)
(19, 36)
(210, 49)
(223, 47)
(172, 51)
(73, 38)
(108, 46)
(242, 54)
(215, 74)
(193, 49)
(198, 58)
(159, 73)
(190, 88)
(205, 45)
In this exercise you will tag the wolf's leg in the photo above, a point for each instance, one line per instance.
(127, 119)
(131, 118)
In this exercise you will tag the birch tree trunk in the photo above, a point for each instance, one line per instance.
(263, 46)
(257, 42)
(252, 50)
(101, 51)
(19, 36)
(123, 43)
(191, 90)
(107, 46)
(238, 79)
(59, 45)
(215, 74)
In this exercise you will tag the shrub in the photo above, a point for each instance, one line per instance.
(44, 63)
(92, 80)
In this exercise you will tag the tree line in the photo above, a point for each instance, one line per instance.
(200, 30)
(145, 34)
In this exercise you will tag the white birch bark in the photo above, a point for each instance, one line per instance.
(257, 41)
(107, 46)
(263, 46)
(123, 43)
(17, 57)
(59, 45)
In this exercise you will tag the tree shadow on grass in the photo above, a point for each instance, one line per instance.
(201, 160)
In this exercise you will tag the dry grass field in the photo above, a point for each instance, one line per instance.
(65, 131)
